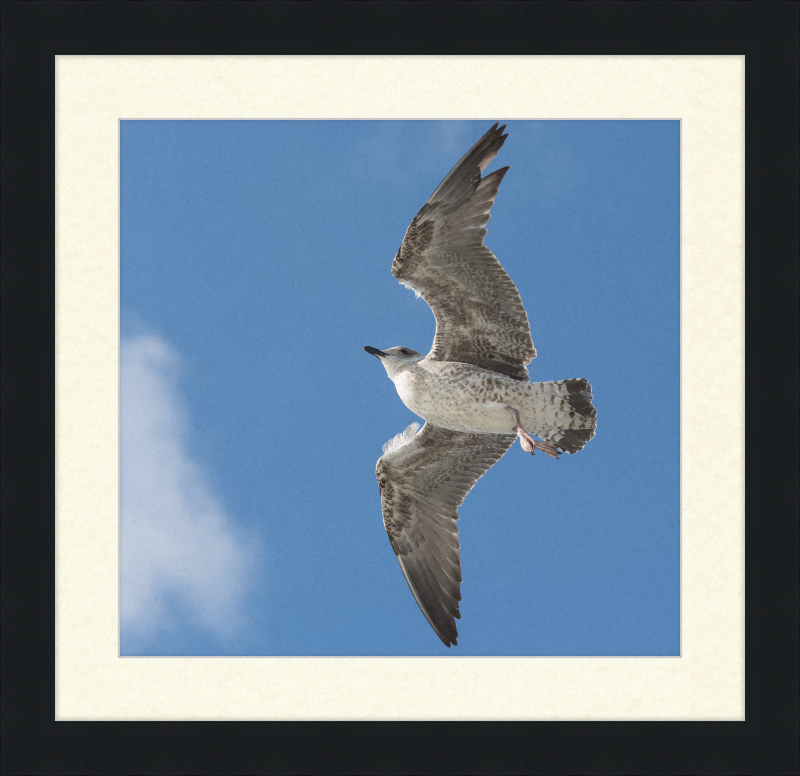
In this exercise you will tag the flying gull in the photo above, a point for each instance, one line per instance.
(472, 389)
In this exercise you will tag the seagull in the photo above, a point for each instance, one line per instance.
(472, 389)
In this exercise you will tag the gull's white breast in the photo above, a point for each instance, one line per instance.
(461, 397)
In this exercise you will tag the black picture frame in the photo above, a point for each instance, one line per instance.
(33, 33)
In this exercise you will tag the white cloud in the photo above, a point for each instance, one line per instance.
(182, 559)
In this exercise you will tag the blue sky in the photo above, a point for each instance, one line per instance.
(255, 265)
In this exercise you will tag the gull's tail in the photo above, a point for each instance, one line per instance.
(560, 412)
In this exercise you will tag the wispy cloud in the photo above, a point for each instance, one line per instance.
(386, 155)
(183, 561)
(456, 138)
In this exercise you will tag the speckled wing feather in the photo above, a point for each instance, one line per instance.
(423, 479)
(479, 315)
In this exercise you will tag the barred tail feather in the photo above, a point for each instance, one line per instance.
(561, 412)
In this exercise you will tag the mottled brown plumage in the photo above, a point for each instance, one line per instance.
(472, 388)
(422, 484)
(479, 315)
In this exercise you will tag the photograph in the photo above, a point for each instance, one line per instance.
(385, 376)
(400, 388)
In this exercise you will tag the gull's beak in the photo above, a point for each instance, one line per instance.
(375, 352)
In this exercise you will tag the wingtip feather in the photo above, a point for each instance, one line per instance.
(445, 639)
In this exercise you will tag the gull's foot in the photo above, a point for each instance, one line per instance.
(548, 448)
(528, 443)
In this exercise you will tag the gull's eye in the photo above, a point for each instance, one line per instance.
(404, 351)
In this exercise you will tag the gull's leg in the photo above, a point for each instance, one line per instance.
(527, 442)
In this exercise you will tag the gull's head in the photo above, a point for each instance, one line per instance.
(396, 359)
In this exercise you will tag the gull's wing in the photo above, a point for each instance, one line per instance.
(423, 479)
(479, 315)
